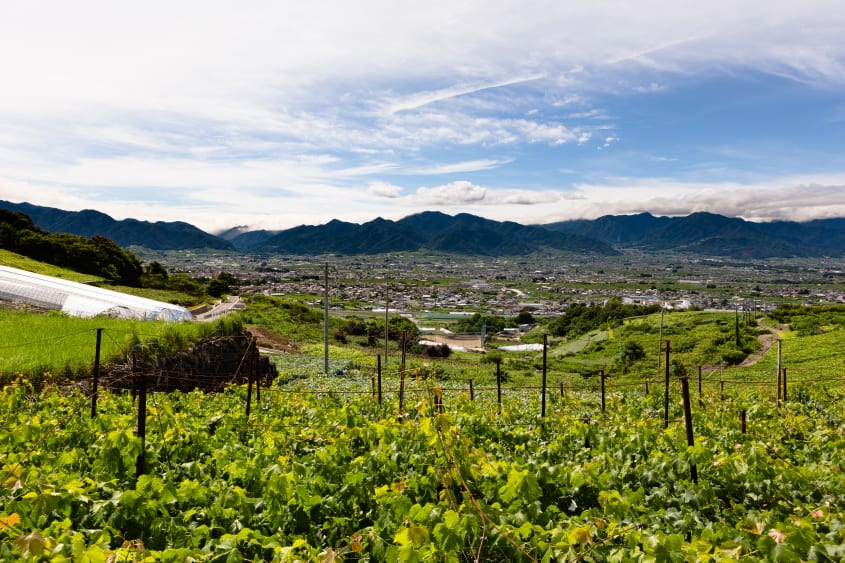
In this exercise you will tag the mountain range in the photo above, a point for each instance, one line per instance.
(701, 233)
(710, 234)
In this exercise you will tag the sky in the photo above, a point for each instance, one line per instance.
(277, 114)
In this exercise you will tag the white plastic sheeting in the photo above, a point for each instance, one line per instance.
(82, 300)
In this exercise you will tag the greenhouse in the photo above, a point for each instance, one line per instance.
(82, 300)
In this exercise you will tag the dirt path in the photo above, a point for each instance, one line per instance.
(767, 340)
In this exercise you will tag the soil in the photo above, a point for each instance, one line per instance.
(269, 339)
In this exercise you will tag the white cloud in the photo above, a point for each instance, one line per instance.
(455, 193)
(796, 199)
(383, 189)
(459, 167)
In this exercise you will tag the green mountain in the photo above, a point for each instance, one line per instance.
(159, 235)
(711, 234)
(463, 234)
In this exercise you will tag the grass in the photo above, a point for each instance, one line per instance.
(13, 260)
(54, 346)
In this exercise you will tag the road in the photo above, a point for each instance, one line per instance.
(232, 303)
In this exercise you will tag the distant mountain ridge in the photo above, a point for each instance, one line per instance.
(703, 233)
(714, 235)
(127, 232)
(430, 230)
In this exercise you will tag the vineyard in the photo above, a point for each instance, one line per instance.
(445, 460)
(320, 470)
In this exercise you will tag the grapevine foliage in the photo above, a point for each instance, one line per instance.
(330, 477)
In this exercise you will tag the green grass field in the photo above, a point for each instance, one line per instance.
(52, 346)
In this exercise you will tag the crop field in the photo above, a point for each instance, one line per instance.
(321, 471)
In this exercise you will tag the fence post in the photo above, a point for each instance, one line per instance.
(471, 391)
(693, 470)
(499, 385)
(402, 375)
(133, 369)
(141, 384)
(438, 399)
(700, 398)
(543, 401)
(96, 374)
(722, 388)
(255, 358)
(779, 384)
(249, 378)
(586, 420)
(601, 372)
(378, 375)
(666, 391)
(742, 421)
(784, 384)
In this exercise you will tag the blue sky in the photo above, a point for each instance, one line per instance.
(285, 113)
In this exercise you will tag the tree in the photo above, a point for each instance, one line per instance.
(631, 353)
(217, 288)
(524, 318)
(186, 284)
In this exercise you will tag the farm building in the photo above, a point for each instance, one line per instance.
(81, 300)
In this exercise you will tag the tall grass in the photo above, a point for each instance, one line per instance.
(50, 346)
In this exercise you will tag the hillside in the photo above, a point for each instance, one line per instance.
(159, 235)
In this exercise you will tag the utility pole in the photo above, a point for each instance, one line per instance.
(326, 319)
(386, 332)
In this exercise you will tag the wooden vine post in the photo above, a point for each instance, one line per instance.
(255, 358)
(141, 385)
(499, 385)
(666, 390)
(543, 398)
(402, 373)
(700, 398)
(250, 375)
(693, 470)
(601, 373)
(378, 377)
(96, 374)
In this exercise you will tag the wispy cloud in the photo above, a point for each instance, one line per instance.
(459, 167)
(418, 100)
